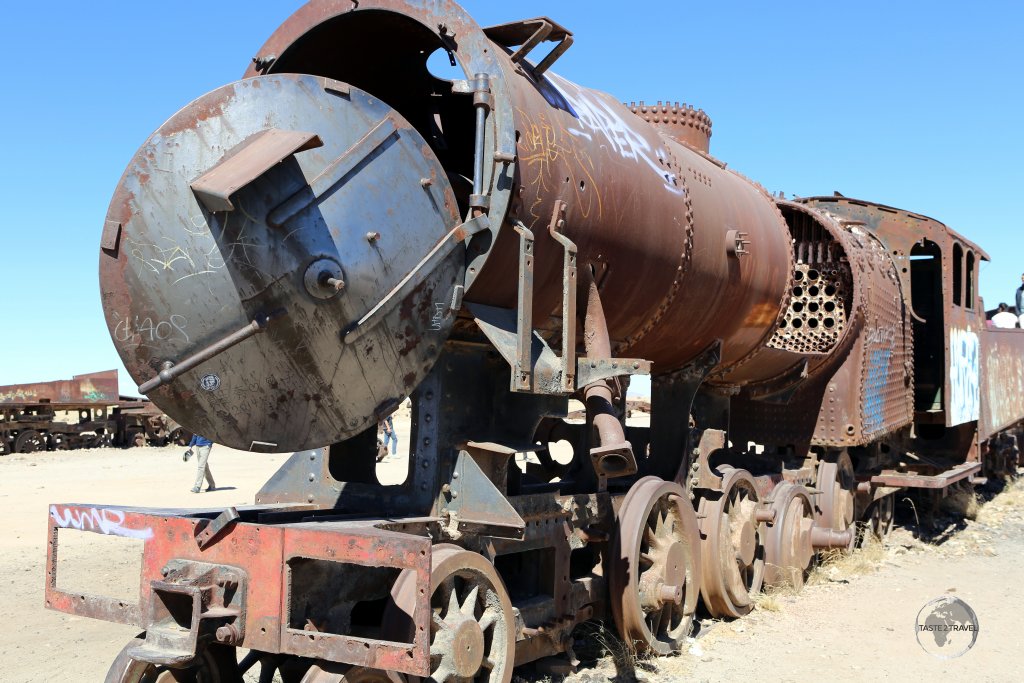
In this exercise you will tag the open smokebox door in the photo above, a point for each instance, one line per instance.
(279, 262)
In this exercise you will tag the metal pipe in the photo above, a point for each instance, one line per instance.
(483, 101)
(598, 395)
(169, 374)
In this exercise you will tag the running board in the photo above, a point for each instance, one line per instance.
(919, 481)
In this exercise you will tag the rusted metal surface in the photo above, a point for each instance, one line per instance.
(1002, 380)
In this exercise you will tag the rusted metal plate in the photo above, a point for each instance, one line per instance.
(95, 387)
(360, 544)
(262, 552)
(169, 535)
(938, 481)
(186, 280)
(1002, 380)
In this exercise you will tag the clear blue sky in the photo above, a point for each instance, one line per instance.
(914, 104)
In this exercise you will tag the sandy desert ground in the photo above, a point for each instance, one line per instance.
(855, 623)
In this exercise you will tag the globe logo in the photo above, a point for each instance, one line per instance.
(947, 627)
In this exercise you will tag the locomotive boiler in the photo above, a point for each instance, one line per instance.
(292, 255)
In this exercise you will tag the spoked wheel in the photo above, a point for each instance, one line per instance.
(878, 517)
(330, 672)
(472, 625)
(733, 547)
(654, 566)
(29, 441)
(787, 549)
(58, 442)
(836, 504)
(216, 664)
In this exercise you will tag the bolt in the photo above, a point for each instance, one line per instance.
(228, 633)
(446, 488)
(372, 237)
(336, 283)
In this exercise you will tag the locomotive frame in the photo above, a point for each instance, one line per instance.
(870, 371)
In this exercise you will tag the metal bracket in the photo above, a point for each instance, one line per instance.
(736, 243)
(545, 368)
(528, 34)
(522, 378)
(590, 370)
(215, 527)
(249, 160)
(474, 499)
(196, 602)
(556, 227)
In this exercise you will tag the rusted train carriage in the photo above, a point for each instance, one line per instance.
(358, 230)
(29, 420)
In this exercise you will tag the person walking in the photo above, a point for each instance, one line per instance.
(202, 446)
(388, 427)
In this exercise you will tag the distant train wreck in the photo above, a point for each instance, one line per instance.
(93, 415)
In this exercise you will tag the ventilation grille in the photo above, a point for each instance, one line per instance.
(821, 292)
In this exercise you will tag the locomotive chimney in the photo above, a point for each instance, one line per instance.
(681, 122)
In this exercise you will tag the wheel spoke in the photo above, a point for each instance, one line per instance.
(469, 605)
(437, 622)
(453, 603)
(443, 672)
(489, 618)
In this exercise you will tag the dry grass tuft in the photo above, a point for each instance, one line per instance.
(770, 598)
(961, 501)
(1009, 501)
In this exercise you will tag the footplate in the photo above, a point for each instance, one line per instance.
(281, 579)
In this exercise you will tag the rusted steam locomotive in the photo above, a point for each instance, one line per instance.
(341, 230)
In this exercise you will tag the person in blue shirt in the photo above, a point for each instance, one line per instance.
(202, 446)
(388, 427)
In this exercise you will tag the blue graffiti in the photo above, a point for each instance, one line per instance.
(874, 400)
(964, 390)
